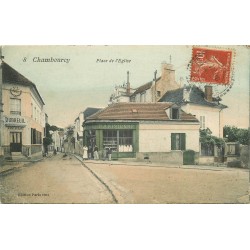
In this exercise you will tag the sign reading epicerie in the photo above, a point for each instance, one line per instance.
(14, 121)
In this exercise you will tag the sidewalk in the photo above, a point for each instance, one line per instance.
(10, 165)
(166, 165)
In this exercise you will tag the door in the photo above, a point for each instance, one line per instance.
(188, 157)
(15, 142)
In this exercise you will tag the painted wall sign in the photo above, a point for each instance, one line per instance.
(111, 126)
(14, 121)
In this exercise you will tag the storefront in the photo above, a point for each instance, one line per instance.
(143, 131)
(120, 137)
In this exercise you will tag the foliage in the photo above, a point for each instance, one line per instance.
(48, 137)
(70, 131)
(234, 134)
(206, 137)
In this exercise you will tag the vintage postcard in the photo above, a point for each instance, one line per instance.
(124, 124)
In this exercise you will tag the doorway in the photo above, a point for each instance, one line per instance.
(15, 142)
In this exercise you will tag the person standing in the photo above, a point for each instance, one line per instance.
(96, 155)
(90, 152)
(109, 154)
(85, 153)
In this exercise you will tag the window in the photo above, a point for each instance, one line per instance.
(118, 140)
(15, 106)
(36, 136)
(158, 93)
(125, 141)
(207, 149)
(35, 113)
(178, 141)
(143, 97)
(175, 113)
(202, 122)
(110, 139)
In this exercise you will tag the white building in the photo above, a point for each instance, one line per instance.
(208, 110)
(23, 115)
(158, 131)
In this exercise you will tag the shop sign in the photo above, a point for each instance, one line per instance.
(14, 121)
(111, 126)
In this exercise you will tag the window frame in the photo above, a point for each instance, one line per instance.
(13, 109)
(182, 141)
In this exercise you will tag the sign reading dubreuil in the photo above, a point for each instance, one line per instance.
(10, 121)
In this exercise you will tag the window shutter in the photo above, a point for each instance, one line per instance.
(183, 141)
(173, 142)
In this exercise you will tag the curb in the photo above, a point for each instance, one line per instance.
(14, 167)
(143, 164)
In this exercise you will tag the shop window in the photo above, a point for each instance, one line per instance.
(15, 106)
(207, 149)
(178, 141)
(125, 141)
(118, 140)
(110, 139)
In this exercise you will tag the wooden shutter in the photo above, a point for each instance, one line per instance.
(173, 142)
(183, 141)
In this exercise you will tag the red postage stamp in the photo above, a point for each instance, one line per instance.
(211, 66)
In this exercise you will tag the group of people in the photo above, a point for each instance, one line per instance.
(88, 153)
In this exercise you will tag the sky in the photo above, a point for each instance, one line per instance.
(89, 74)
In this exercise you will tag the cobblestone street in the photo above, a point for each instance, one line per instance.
(66, 180)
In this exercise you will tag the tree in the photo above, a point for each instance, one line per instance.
(234, 134)
(206, 137)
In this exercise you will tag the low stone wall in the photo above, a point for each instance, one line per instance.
(36, 149)
(174, 157)
(244, 156)
(206, 160)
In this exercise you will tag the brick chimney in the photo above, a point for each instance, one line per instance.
(128, 83)
(209, 93)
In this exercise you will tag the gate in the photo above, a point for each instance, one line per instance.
(188, 157)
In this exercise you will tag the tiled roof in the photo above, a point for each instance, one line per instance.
(196, 96)
(144, 87)
(138, 111)
(10, 75)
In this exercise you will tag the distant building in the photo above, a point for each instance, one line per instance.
(58, 138)
(23, 115)
(158, 131)
(149, 92)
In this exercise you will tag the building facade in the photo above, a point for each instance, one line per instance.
(23, 115)
(156, 131)
(207, 109)
(149, 92)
